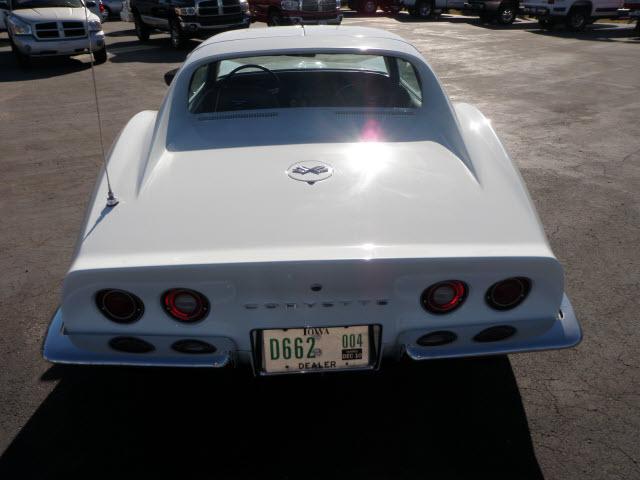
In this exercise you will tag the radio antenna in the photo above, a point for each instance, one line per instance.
(112, 200)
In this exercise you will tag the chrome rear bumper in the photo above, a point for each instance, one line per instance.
(59, 348)
(564, 333)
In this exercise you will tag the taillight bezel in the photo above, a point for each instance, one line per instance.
(526, 285)
(169, 306)
(461, 293)
(138, 304)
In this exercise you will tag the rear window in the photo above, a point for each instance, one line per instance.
(304, 81)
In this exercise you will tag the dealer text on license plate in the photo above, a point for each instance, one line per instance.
(315, 348)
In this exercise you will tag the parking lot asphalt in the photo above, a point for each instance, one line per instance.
(567, 107)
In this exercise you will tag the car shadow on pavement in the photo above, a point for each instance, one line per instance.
(439, 419)
(405, 17)
(121, 33)
(519, 24)
(597, 32)
(156, 50)
(46, 67)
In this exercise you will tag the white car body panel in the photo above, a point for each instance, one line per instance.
(417, 196)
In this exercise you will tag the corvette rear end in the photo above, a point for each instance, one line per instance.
(265, 221)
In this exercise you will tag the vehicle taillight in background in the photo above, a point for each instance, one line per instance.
(508, 293)
(119, 306)
(185, 305)
(444, 297)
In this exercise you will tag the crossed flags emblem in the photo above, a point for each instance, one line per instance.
(317, 170)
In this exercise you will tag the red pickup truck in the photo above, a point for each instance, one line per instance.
(631, 10)
(293, 12)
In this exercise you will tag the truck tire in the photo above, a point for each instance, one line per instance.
(367, 7)
(23, 60)
(423, 9)
(175, 35)
(100, 56)
(577, 19)
(274, 18)
(506, 14)
(142, 30)
(546, 23)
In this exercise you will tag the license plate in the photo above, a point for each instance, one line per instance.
(322, 22)
(315, 349)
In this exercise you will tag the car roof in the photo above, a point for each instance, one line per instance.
(303, 37)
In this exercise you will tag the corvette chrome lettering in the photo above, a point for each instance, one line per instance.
(382, 302)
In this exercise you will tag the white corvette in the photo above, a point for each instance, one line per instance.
(308, 199)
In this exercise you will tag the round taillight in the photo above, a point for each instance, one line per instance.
(444, 297)
(509, 293)
(119, 306)
(185, 305)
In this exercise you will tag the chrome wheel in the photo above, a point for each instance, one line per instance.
(577, 20)
(176, 37)
(369, 7)
(506, 15)
(424, 10)
(275, 20)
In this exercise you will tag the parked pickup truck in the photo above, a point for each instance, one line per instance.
(48, 28)
(631, 10)
(185, 19)
(502, 11)
(292, 12)
(575, 14)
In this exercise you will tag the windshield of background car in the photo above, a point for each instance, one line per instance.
(19, 4)
(304, 80)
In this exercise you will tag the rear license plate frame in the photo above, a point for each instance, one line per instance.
(375, 339)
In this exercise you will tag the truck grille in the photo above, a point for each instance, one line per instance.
(318, 5)
(73, 29)
(55, 30)
(218, 7)
(47, 30)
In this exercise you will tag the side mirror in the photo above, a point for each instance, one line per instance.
(91, 4)
(168, 77)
